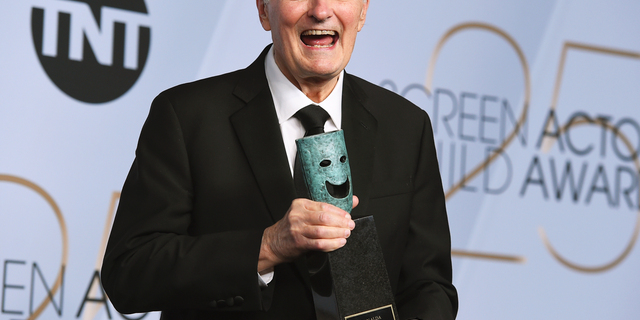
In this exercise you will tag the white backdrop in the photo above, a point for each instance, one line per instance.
(533, 106)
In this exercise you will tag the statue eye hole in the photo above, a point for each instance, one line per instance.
(343, 159)
(325, 163)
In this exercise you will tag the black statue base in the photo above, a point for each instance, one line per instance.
(352, 282)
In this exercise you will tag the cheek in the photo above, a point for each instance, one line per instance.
(351, 16)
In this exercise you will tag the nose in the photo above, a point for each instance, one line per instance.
(320, 10)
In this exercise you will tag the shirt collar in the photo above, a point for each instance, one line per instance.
(288, 99)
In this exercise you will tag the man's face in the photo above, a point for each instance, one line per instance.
(313, 39)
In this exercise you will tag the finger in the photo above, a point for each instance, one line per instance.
(311, 205)
(306, 204)
(323, 232)
(327, 245)
(318, 213)
(356, 201)
(332, 218)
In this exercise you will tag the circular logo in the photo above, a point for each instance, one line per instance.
(93, 50)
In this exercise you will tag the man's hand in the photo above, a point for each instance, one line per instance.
(307, 226)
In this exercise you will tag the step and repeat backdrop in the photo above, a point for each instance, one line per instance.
(534, 106)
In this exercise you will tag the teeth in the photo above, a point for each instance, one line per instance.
(318, 33)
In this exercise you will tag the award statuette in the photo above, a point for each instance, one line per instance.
(351, 282)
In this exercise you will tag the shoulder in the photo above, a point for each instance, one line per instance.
(217, 96)
(204, 89)
(385, 105)
(195, 106)
(223, 89)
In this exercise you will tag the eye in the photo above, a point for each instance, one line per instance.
(343, 159)
(325, 163)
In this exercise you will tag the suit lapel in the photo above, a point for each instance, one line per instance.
(257, 128)
(359, 127)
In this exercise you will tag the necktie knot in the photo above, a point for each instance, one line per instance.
(312, 118)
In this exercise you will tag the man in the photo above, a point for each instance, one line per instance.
(208, 226)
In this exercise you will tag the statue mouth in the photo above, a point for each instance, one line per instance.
(338, 191)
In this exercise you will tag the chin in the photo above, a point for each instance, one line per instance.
(325, 71)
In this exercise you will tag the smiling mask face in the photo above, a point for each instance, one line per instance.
(325, 166)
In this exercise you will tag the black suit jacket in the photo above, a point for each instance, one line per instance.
(211, 174)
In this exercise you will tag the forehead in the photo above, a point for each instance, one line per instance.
(268, 1)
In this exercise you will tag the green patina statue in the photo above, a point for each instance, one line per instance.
(325, 167)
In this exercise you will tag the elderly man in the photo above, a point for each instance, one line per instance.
(208, 225)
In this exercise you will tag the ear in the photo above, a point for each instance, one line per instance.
(264, 14)
(363, 15)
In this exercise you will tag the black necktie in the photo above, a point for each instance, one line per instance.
(312, 118)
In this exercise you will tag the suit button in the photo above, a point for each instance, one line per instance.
(213, 304)
(229, 302)
(238, 300)
(221, 303)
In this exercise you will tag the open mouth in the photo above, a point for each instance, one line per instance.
(319, 38)
(338, 191)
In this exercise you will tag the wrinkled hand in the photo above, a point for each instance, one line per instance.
(307, 226)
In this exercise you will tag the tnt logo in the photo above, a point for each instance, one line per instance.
(93, 50)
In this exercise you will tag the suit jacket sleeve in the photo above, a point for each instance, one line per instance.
(424, 287)
(153, 261)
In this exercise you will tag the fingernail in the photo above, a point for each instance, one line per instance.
(347, 233)
(352, 224)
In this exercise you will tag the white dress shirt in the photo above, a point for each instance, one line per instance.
(288, 99)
